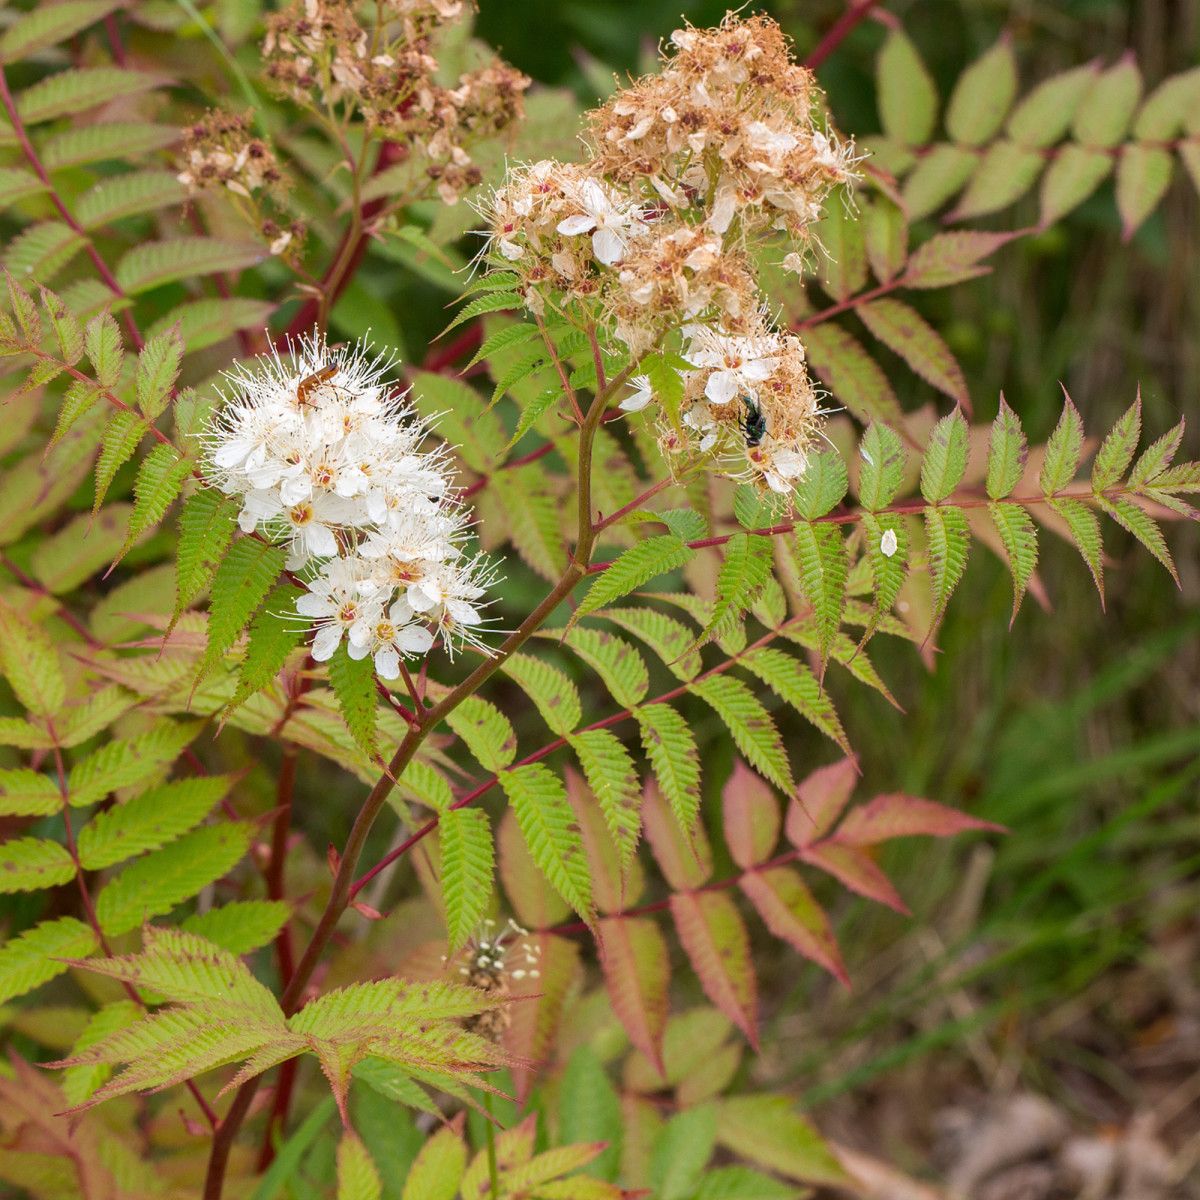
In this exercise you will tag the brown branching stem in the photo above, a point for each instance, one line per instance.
(341, 892)
(558, 743)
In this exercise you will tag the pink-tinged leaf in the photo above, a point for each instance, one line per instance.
(685, 862)
(857, 870)
(538, 1005)
(752, 817)
(637, 973)
(714, 936)
(895, 815)
(819, 801)
(790, 912)
(903, 330)
(536, 904)
(952, 257)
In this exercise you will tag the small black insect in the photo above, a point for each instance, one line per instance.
(754, 423)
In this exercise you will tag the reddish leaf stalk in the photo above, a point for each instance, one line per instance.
(839, 31)
(31, 156)
(557, 744)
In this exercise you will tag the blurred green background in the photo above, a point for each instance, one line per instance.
(1053, 951)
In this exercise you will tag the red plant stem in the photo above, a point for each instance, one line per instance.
(40, 171)
(64, 613)
(838, 32)
(349, 254)
(846, 517)
(635, 503)
(285, 953)
(545, 751)
(113, 30)
(467, 342)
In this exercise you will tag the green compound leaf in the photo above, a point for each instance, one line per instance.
(983, 95)
(1019, 536)
(1071, 178)
(888, 556)
(240, 926)
(154, 885)
(40, 954)
(206, 525)
(945, 458)
(30, 663)
(69, 93)
(150, 820)
(614, 783)
(274, 633)
(1084, 528)
(1045, 115)
(753, 731)
(882, 470)
(153, 264)
(487, 732)
(1063, 451)
(671, 748)
(618, 664)
(908, 98)
(357, 1175)
(126, 762)
(159, 481)
(1143, 527)
(797, 686)
(31, 864)
(468, 864)
(949, 540)
(548, 826)
(820, 555)
(556, 697)
(1007, 453)
(122, 434)
(241, 583)
(747, 566)
(1117, 450)
(353, 682)
(640, 563)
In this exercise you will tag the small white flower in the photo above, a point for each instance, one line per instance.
(643, 393)
(736, 364)
(888, 544)
(610, 223)
(388, 638)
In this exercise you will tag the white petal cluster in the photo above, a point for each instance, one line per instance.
(328, 459)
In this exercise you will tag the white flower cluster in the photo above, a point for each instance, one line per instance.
(327, 458)
(657, 238)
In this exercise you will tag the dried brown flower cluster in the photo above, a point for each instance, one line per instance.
(688, 173)
(221, 150)
(320, 51)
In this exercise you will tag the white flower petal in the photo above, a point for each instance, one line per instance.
(326, 642)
